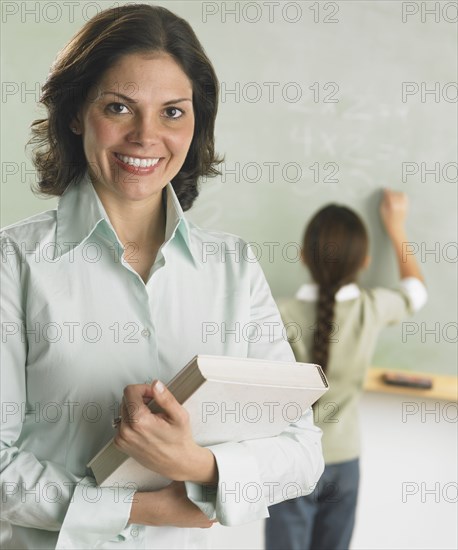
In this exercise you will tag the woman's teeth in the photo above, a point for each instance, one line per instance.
(142, 163)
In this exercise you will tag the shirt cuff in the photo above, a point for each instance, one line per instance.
(239, 497)
(416, 292)
(96, 515)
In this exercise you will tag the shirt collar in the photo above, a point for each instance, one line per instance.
(309, 292)
(176, 223)
(80, 212)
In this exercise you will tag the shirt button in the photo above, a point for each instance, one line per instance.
(146, 333)
(134, 532)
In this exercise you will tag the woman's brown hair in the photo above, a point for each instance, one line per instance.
(335, 246)
(58, 153)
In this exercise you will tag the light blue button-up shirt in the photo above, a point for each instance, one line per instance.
(79, 324)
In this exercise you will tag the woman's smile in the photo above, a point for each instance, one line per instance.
(136, 165)
(140, 122)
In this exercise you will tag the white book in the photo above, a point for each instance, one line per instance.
(228, 399)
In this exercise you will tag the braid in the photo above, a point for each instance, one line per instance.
(324, 319)
(334, 247)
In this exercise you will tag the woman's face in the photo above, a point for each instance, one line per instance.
(137, 125)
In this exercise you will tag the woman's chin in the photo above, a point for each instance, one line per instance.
(139, 192)
(131, 187)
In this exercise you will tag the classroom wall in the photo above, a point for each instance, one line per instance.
(320, 102)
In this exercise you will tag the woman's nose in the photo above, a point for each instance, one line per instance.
(146, 131)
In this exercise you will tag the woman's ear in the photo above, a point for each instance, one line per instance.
(75, 125)
(75, 128)
(366, 262)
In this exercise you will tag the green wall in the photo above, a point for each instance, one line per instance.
(307, 89)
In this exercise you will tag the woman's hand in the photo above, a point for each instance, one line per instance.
(169, 506)
(393, 211)
(162, 442)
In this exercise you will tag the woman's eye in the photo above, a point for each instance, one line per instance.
(174, 112)
(113, 107)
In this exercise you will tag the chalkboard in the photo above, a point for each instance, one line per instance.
(320, 102)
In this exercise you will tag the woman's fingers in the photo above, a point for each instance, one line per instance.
(160, 441)
(133, 401)
(165, 399)
(136, 397)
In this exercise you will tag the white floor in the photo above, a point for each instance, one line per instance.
(408, 492)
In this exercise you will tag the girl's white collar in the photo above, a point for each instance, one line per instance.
(309, 292)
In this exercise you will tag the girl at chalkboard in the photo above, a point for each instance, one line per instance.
(347, 321)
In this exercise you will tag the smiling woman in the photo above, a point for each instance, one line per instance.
(104, 47)
(131, 104)
(133, 149)
(148, 128)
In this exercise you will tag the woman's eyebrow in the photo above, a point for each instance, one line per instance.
(177, 100)
(131, 100)
(125, 97)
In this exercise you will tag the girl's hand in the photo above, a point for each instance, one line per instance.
(169, 506)
(162, 442)
(393, 211)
